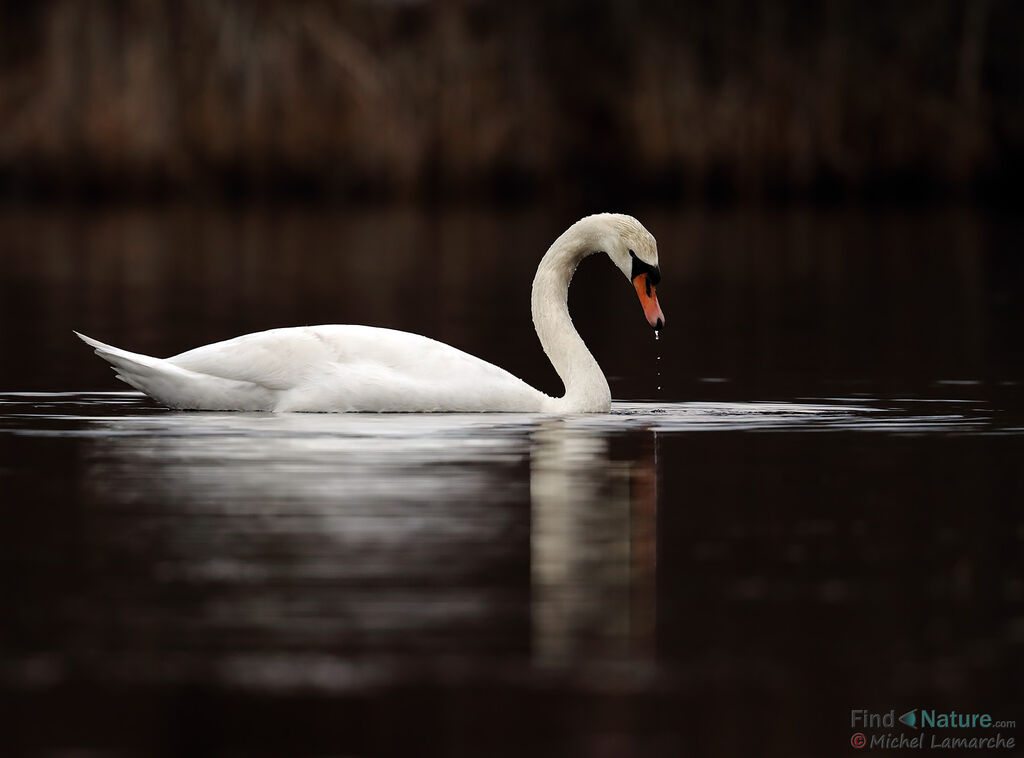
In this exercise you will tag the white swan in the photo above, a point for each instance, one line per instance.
(362, 368)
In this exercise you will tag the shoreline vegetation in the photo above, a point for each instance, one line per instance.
(459, 100)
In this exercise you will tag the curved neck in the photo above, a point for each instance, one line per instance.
(586, 389)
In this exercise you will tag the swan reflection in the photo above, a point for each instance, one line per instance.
(593, 545)
(382, 533)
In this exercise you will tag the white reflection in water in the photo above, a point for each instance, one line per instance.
(382, 521)
(401, 499)
(592, 545)
(398, 498)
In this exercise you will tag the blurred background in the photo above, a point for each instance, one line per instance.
(811, 506)
(372, 100)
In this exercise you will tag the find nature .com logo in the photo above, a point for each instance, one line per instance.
(930, 724)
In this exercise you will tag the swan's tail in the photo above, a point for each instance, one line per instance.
(177, 387)
(154, 376)
(132, 368)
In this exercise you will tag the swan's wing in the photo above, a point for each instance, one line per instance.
(277, 359)
(343, 367)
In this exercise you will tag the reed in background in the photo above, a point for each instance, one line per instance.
(417, 100)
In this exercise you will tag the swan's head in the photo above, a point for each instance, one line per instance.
(633, 249)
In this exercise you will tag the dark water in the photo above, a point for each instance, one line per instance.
(820, 510)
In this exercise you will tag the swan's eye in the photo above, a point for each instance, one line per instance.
(639, 267)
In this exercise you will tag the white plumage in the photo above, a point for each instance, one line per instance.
(318, 368)
(361, 368)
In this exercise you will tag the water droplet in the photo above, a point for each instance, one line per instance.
(659, 357)
(659, 386)
(656, 334)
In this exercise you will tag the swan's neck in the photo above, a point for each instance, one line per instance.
(586, 389)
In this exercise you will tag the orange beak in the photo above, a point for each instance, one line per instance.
(649, 300)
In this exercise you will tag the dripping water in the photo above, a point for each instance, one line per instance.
(656, 335)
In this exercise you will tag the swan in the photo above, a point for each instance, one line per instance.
(338, 368)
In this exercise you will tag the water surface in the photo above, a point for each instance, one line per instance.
(187, 569)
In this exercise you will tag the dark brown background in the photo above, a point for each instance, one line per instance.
(583, 101)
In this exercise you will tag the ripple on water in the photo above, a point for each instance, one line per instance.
(131, 413)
